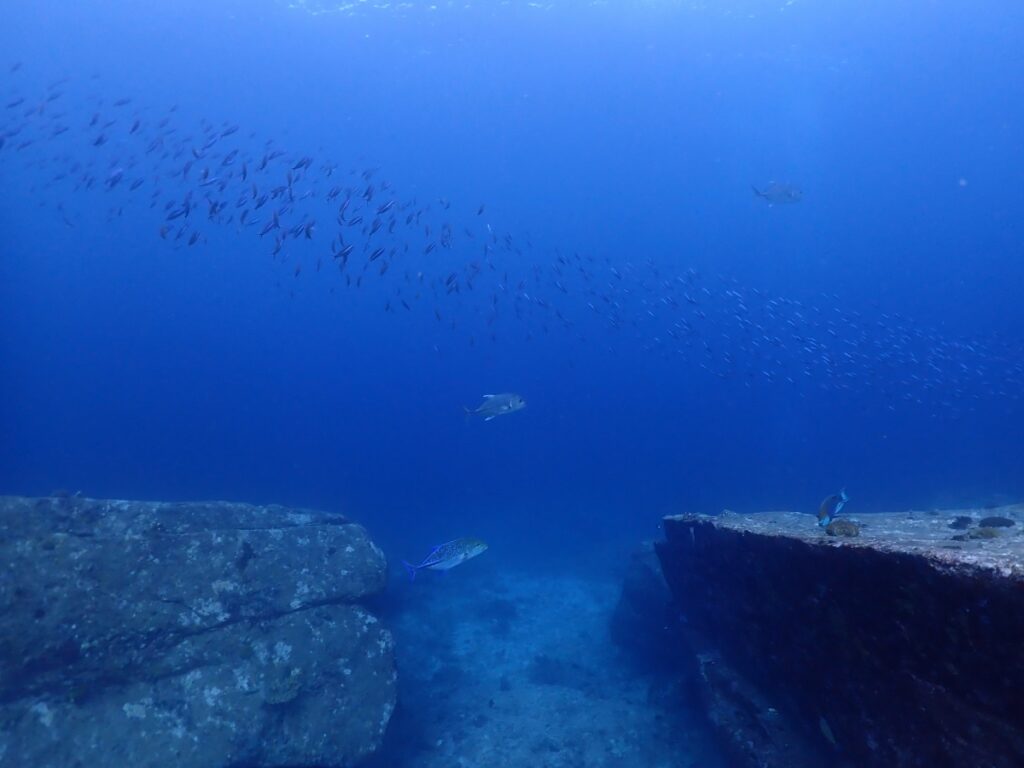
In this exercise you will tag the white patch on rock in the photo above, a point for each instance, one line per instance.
(211, 695)
(214, 608)
(45, 713)
(191, 679)
(282, 652)
(385, 717)
(243, 681)
(262, 655)
(136, 711)
(302, 591)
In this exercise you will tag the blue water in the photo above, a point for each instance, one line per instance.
(867, 336)
(564, 202)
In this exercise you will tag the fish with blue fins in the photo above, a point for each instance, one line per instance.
(446, 556)
(831, 507)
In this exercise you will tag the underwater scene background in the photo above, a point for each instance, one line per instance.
(734, 254)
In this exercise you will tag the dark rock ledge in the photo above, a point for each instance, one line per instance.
(192, 634)
(903, 646)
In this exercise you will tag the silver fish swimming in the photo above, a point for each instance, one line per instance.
(446, 556)
(831, 506)
(498, 405)
(778, 193)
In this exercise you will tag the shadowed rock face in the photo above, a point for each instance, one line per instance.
(200, 634)
(901, 647)
(695, 684)
(642, 621)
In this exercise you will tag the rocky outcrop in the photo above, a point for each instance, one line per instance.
(692, 682)
(898, 647)
(643, 621)
(198, 634)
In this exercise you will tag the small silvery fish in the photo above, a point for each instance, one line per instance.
(777, 193)
(446, 556)
(832, 506)
(498, 405)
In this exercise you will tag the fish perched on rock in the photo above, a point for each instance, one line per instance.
(831, 506)
(446, 556)
(778, 193)
(498, 405)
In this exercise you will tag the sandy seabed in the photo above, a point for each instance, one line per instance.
(519, 669)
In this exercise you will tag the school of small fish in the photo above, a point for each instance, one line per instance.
(450, 264)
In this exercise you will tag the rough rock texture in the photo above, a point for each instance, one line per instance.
(752, 730)
(200, 634)
(643, 621)
(690, 678)
(900, 647)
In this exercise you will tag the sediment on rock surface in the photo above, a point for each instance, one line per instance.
(900, 647)
(200, 634)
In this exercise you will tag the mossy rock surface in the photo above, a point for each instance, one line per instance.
(201, 634)
(842, 527)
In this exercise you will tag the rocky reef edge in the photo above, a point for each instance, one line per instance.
(896, 643)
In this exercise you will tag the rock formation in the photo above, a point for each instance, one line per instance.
(198, 634)
(898, 647)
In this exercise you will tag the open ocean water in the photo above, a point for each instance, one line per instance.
(735, 254)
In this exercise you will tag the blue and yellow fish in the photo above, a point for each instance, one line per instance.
(831, 507)
(446, 556)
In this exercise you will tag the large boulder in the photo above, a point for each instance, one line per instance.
(193, 634)
(893, 642)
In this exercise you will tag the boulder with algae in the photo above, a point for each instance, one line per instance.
(199, 634)
(901, 646)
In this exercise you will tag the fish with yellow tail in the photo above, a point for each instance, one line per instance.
(446, 556)
(831, 506)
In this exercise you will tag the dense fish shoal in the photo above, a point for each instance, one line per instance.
(452, 265)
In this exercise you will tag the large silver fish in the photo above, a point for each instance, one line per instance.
(446, 556)
(778, 193)
(498, 405)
